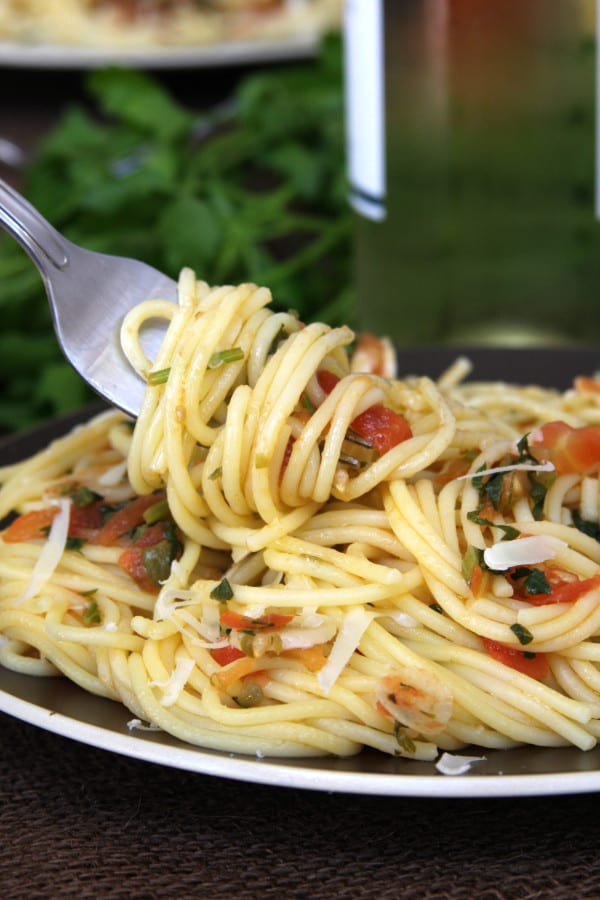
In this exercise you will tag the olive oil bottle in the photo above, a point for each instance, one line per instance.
(473, 172)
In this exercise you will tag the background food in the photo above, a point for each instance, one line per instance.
(143, 23)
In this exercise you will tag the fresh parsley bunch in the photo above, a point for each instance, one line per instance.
(251, 191)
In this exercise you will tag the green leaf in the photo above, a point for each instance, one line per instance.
(62, 388)
(509, 532)
(76, 134)
(190, 233)
(92, 614)
(140, 101)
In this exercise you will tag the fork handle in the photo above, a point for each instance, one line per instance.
(43, 243)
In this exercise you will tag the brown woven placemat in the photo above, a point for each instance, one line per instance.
(80, 822)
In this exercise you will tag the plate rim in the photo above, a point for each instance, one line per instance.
(270, 772)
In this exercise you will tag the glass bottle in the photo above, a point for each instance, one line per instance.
(473, 172)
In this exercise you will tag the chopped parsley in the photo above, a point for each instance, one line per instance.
(509, 531)
(222, 592)
(222, 357)
(81, 496)
(159, 376)
(534, 580)
(523, 634)
(74, 543)
(92, 614)
(156, 513)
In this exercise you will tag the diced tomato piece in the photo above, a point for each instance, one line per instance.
(374, 354)
(535, 664)
(381, 709)
(236, 671)
(327, 380)
(127, 518)
(225, 655)
(476, 583)
(563, 589)
(382, 427)
(271, 621)
(379, 425)
(86, 521)
(455, 468)
(132, 562)
(312, 657)
(151, 535)
(586, 385)
(571, 450)
(30, 526)
(286, 456)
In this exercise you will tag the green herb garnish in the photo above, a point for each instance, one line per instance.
(592, 529)
(472, 558)
(157, 512)
(222, 357)
(509, 532)
(92, 614)
(223, 591)
(523, 634)
(534, 580)
(157, 560)
(159, 376)
(74, 543)
(537, 583)
(405, 742)
(81, 496)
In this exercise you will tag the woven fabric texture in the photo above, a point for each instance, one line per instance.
(80, 822)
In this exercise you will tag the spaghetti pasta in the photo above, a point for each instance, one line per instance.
(289, 554)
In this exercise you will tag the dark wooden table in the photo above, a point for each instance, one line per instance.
(80, 822)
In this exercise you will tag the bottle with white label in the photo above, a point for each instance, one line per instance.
(473, 171)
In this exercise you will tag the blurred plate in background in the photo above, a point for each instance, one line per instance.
(229, 53)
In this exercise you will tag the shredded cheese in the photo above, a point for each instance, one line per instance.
(176, 682)
(523, 551)
(355, 623)
(517, 467)
(114, 475)
(134, 724)
(51, 552)
(449, 764)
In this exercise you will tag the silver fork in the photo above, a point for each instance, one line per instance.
(89, 294)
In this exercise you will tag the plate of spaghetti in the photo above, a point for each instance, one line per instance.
(299, 567)
(161, 33)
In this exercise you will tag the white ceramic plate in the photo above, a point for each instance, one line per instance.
(52, 56)
(58, 706)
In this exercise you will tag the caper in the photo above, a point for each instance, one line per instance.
(250, 695)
